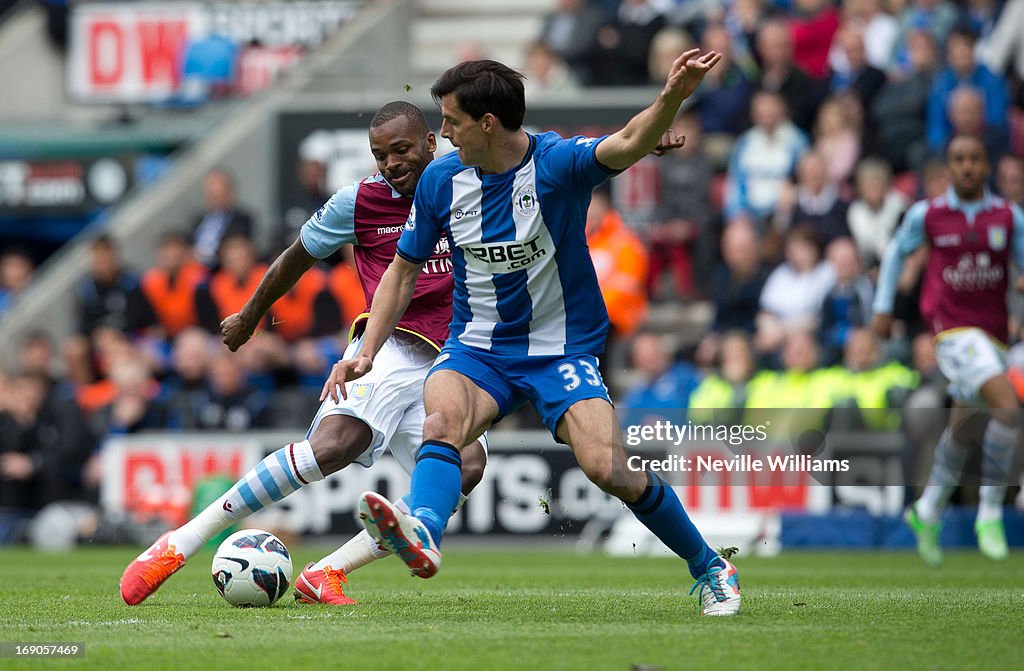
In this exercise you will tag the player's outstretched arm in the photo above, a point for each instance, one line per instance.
(643, 133)
(389, 303)
(282, 275)
(909, 237)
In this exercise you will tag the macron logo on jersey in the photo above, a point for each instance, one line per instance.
(507, 257)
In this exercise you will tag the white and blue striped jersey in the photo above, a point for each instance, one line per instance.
(524, 281)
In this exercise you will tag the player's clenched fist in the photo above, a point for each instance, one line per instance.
(342, 372)
(235, 331)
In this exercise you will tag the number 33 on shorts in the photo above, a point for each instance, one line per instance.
(578, 372)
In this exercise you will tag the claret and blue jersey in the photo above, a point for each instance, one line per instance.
(524, 281)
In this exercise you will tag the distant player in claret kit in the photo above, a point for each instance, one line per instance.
(528, 318)
(387, 409)
(972, 238)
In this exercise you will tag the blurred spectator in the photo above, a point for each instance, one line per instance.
(546, 72)
(797, 386)
(735, 288)
(16, 272)
(570, 31)
(814, 24)
(228, 289)
(871, 385)
(814, 202)
(190, 357)
(1004, 49)
(307, 310)
(663, 392)
(763, 158)
(621, 263)
(877, 28)
(166, 296)
(875, 213)
(726, 388)
(743, 19)
(723, 98)
(967, 117)
(222, 217)
(962, 70)
(935, 16)
(311, 177)
(135, 406)
(681, 241)
(1010, 178)
(620, 56)
(102, 303)
(36, 355)
(859, 77)
(847, 305)
(666, 45)
(934, 178)
(837, 141)
(899, 110)
(793, 293)
(259, 65)
(43, 444)
(207, 68)
(470, 50)
(103, 294)
(227, 403)
(779, 74)
(981, 16)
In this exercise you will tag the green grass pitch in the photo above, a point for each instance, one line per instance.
(537, 610)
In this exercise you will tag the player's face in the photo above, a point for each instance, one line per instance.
(464, 132)
(968, 167)
(402, 151)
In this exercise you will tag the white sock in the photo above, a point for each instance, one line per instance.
(945, 475)
(997, 448)
(274, 478)
(362, 549)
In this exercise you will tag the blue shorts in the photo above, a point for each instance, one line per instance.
(551, 383)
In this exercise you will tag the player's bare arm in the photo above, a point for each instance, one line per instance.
(282, 275)
(389, 304)
(644, 132)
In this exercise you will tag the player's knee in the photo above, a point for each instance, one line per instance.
(338, 441)
(473, 462)
(438, 426)
(599, 467)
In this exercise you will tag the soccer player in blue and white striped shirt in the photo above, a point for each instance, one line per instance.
(528, 319)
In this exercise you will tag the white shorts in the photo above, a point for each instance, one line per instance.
(389, 399)
(968, 358)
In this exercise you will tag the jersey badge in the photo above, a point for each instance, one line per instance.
(526, 201)
(362, 391)
(997, 238)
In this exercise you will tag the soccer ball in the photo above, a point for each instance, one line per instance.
(252, 568)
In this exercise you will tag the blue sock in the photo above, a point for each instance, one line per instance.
(661, 512)
(436, 485)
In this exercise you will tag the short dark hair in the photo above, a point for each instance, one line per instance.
(485, 86)
(397, 109)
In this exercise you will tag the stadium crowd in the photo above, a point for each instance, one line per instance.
(804, 147)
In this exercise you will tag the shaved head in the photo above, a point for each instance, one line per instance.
(397, 109)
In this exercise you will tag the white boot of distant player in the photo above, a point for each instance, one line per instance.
(274, 478)
(997, 461)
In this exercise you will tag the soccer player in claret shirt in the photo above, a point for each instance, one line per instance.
(528, 319)
(386, 411)
(972, 238)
